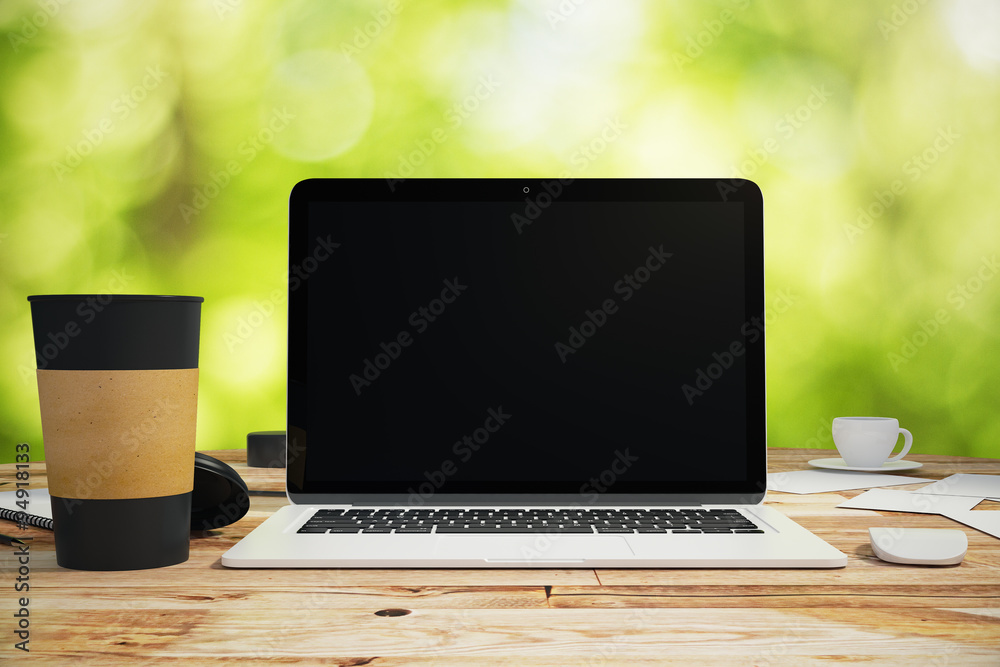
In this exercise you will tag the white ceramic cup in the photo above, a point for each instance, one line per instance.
(866, 442)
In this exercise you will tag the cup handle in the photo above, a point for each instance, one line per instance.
(907, 441)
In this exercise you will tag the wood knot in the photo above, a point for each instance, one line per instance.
(392, 612)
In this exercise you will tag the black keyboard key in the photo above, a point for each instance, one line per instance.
(470, 529)
(341, 524)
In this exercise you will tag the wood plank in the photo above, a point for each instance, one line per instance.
(278, 597)
(857, 573)
(570, 634)
(980, 567)
(596, 658)
(205, 566)
(857, 597)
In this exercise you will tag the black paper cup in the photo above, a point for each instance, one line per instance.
(118, 391)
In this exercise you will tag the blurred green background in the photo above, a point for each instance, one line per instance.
(150, 148)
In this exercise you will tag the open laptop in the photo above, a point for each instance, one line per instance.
(502, 373)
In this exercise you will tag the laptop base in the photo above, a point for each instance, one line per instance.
(784, 544)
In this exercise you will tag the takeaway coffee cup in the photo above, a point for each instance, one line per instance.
(118, 391)
(866, 442)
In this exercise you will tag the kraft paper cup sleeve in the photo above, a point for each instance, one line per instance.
(119, 434)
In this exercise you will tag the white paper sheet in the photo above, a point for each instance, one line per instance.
(986, 521)
(38, 502)
(895, 500)
(824, 481)
(982, 486)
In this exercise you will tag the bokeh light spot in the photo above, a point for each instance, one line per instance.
(326, 100)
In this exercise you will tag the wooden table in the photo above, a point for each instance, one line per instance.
(202, 613)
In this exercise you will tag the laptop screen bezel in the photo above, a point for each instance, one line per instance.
(302, 490)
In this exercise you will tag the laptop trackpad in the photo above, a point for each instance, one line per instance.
(540, 549)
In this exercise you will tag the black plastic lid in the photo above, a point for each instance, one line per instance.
(105, 332)
(116, 297)
(220, 495)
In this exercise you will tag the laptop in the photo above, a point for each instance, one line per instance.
(525, 373)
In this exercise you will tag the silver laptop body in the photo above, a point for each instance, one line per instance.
(506, 373)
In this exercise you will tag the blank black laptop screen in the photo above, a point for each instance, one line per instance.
(468, 337)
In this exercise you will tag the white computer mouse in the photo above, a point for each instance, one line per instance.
(919, 546)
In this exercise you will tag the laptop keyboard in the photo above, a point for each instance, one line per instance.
(507, 521)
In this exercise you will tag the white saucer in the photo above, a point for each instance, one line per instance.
(838, 464)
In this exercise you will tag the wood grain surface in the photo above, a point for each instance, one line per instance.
(200, 613)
